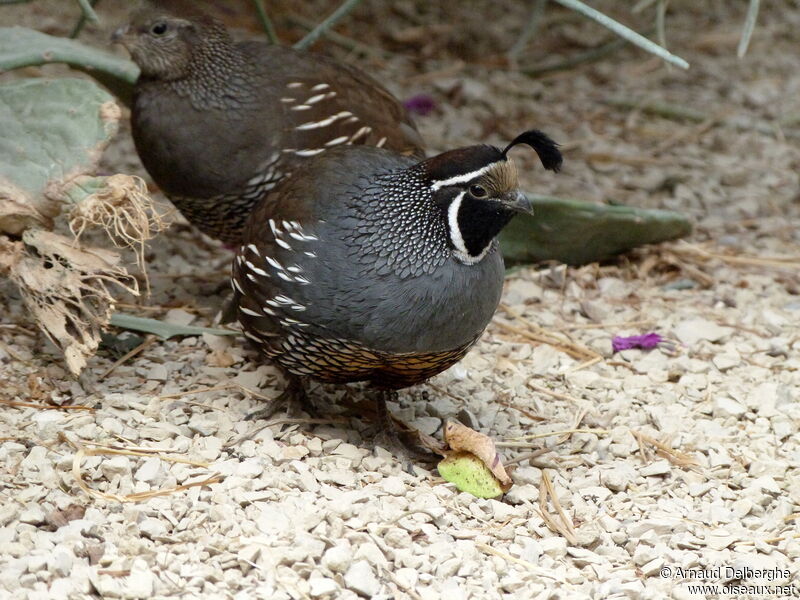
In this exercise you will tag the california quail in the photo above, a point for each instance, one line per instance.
(217, 123)
(366, 265)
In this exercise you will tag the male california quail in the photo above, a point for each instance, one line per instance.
(217, 124)
(366, 265)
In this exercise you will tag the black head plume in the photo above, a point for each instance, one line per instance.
(546, 148)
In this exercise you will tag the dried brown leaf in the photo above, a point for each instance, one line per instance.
(461, 438)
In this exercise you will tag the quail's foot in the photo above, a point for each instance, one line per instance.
(390, 437)
(294, 398)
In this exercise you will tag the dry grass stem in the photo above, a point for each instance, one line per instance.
(569, 348)
(81, 451)
(148, 341)
(551, 393)
(44, 406)
(620, 325)
(537, 436)
(528, 456)
(562, 526)
(677, 458)
(525, 412)
(687, 249)
(513, 559)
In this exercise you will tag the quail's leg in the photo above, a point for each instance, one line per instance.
(293, 396)
(388, 435)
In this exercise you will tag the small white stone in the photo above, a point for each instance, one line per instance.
(644, 554)
(407, 577)
(157, 373)
(205, 424)
(32, 514)
(720, 540)
(149, 469)
(321, 586)
(554, 546)
(398, 538)
(116, 465)
(152, 528)
(337, 476)
(394, 485)
(726, 361)
(658, 467)
(60, 563)
(652, 567)
(337, 558)
(742, 507)
(360, 578)
(178, 316)
(348, 451)
(693, 330)
(727, 407)
(139, 584)
(615, 480)
(520, 494)
(584, 557)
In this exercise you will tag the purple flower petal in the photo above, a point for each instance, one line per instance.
(645, 341)
(421, 104)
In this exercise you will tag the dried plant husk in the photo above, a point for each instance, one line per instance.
(122, 207)
(67, 288)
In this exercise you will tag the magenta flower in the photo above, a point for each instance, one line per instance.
(421, 104)
(645, 341)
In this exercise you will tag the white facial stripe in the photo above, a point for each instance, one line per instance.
(461, 178)
(452, 221)
(461, 252)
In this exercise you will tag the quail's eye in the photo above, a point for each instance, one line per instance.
(478, 191)
(159, 28)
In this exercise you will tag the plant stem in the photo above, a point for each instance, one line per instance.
(82, 21)
(266, 22)
(589, 56)
(342, 40)
(88, 11)
(661, 30)
(749, 26)
(334, 17)
(528, 31)
(624, 32)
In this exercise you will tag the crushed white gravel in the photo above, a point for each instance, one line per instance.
(308, 509)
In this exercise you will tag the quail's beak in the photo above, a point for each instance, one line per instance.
(119, 35)
(519, 202)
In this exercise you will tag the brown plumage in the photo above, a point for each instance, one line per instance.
(219, 123)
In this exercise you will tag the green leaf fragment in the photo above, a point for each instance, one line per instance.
(162, 329)
(470, 474)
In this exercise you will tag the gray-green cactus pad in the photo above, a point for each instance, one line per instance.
(53, 131)
(577, 233)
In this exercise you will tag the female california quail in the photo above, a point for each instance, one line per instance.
(217, 124)
(370, 266)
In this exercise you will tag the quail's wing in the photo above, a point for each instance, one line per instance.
(270, 280)
(326, 104)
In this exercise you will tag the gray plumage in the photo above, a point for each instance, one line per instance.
(382, 273)
(366, 265)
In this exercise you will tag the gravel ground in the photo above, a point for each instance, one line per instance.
(686, 457)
